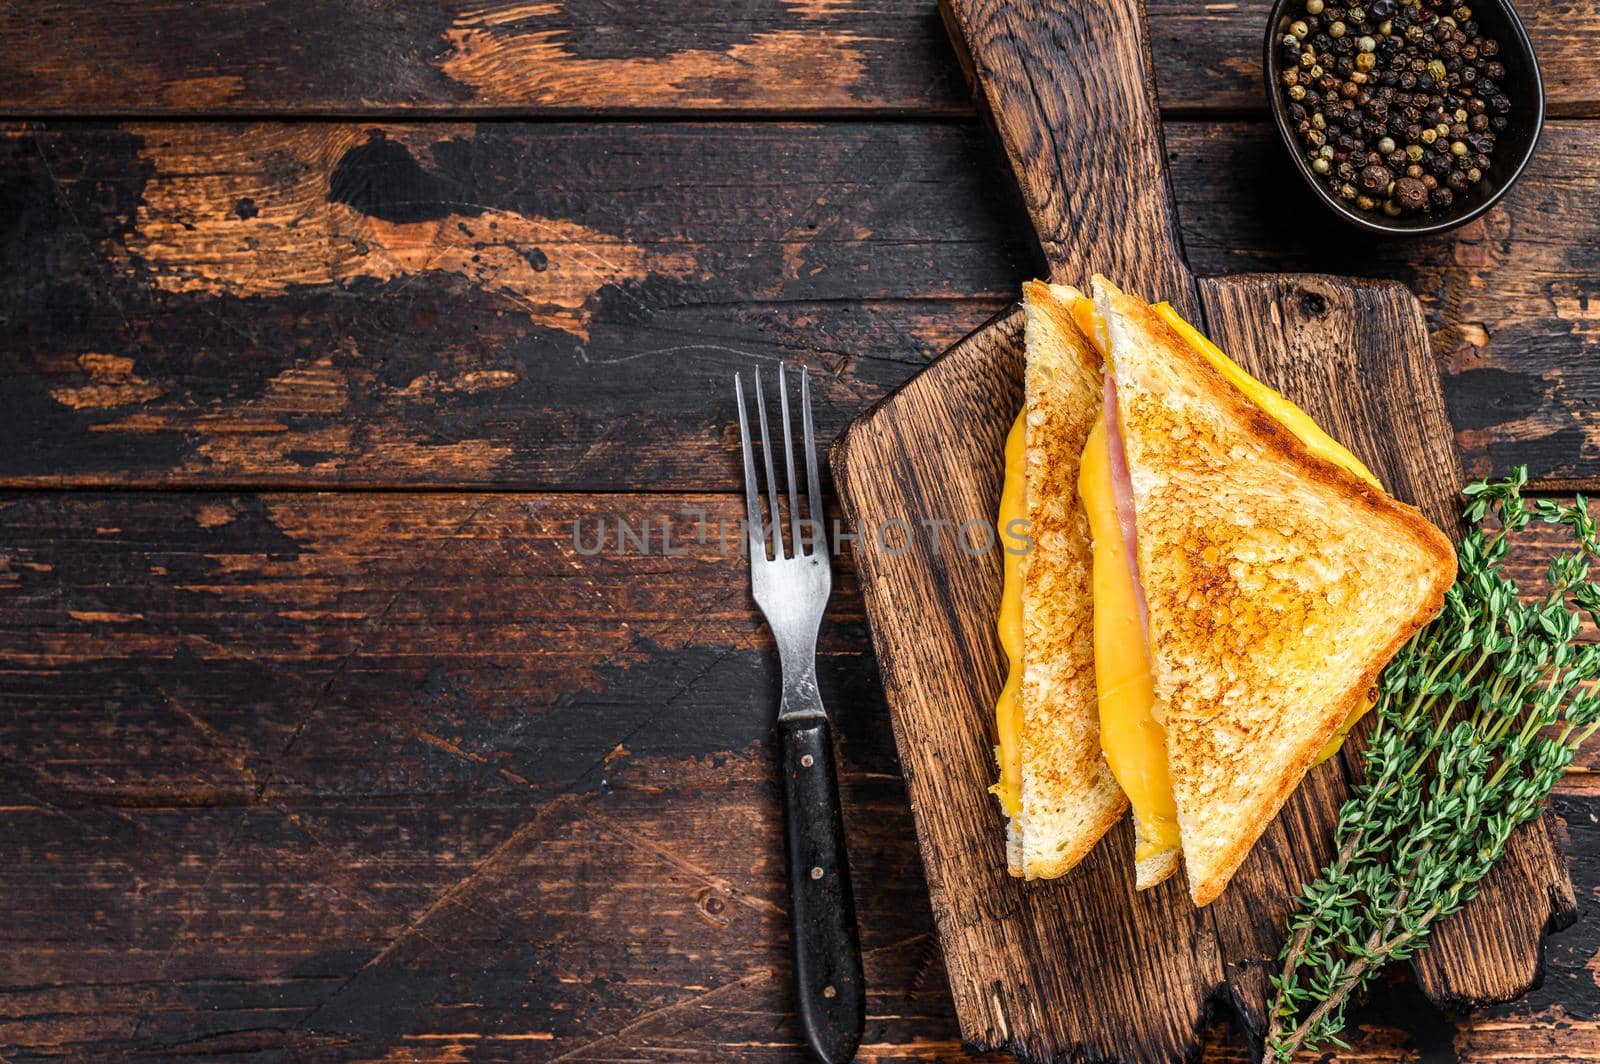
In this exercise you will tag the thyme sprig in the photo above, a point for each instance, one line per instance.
(1477, 719)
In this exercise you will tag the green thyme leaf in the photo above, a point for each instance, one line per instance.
(1478, 717)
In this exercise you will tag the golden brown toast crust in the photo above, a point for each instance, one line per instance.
(1279, 586)
(1069, 798)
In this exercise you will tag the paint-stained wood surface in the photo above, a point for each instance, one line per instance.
(556, 306)
(386, 770)
(583, 57)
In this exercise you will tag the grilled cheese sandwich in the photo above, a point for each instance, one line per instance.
(1133, 679)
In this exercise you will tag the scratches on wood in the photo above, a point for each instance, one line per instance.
(134, 855)
(667, 854)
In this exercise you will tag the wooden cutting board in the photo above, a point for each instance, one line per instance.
(1084, 967)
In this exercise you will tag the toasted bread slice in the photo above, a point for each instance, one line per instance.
(1155, 869)
(1278, 583)
(1068, 796)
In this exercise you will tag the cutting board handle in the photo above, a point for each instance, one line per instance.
(1068, 87)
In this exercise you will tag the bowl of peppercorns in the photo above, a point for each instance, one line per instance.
(1404, 116)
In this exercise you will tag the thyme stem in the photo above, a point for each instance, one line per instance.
(1477, 719)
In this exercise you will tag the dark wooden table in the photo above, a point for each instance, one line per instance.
(323, 330)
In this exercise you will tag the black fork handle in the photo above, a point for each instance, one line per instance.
(827, 948)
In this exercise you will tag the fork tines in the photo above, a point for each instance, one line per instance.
(766, 536)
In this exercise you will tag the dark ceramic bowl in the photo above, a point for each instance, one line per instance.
(1513, 146)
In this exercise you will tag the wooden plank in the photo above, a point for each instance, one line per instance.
(290, 620)
(160, 905)
(585, 57)
(329, 303)
(185, 306)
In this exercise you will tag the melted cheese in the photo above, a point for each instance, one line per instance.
(1133, 741)
(1013, 507)
(1273, 403)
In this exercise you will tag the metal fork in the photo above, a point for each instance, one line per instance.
(792, 591)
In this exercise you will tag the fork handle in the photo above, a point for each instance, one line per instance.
(827, 948)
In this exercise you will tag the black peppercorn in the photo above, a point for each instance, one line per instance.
(1442, 197)
(1457, 180)
(1410, 194)
(1375, 178)
(1498, 123)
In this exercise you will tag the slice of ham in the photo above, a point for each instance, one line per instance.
(1122, 490)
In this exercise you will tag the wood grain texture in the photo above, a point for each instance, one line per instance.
(185, 305)
(1069, 91)
(531, 811)
(586, 57)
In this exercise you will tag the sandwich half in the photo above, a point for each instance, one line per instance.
(1054, 786)
(1278, 577)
